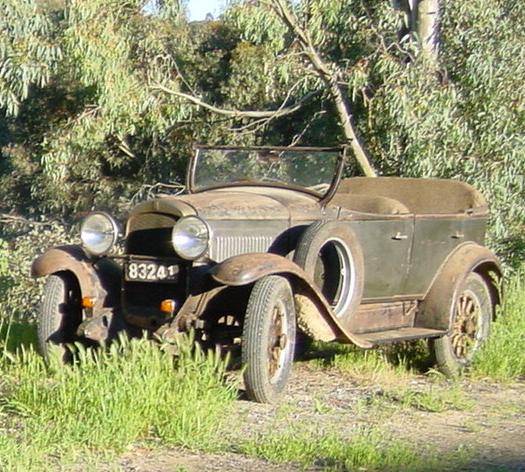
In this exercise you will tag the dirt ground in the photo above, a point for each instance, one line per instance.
(491, 430)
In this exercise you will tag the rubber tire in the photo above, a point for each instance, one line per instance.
(441, 348)
(264, 295)
(311, 243)
(59, 316)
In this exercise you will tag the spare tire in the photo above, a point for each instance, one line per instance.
(330, 253)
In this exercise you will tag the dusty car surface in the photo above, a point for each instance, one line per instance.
(269, 244)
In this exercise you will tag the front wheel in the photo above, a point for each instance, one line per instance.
(59, 316)
(268, 339)
(472, 311)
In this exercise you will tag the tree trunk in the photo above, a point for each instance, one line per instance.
(427, 27)
(422, 18)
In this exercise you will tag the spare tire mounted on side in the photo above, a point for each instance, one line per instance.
(331, 255)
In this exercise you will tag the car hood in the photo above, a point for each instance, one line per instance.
(243, 203)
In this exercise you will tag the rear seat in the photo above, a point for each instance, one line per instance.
(419, 196)
(369, 204)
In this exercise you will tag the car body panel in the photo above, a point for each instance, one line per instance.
(435, 237)
(386, 245)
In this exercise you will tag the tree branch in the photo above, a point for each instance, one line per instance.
(254, 114)
(16, 219)
(330, 79)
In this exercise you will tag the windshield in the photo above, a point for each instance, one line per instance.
(302, 169)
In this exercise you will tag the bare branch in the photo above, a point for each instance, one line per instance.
(260, 123)
(254, 114)
(123, 145)
(148, 192)
(311, 121)
(6, 218)
(330, 78)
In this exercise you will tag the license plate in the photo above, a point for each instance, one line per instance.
(149, 271)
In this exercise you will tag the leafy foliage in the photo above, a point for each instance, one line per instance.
(20, 293)
(90, 120)
(28, 54)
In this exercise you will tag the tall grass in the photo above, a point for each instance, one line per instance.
(366, 449)
(112, 398)
(503, 355)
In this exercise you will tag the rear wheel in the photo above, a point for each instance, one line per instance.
(60, 315)
(268, 339)
(472, 311)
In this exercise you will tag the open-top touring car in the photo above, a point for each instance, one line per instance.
(271, 243)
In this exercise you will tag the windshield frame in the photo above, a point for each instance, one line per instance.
(323, 199)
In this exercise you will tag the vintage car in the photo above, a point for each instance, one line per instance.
(269, 244)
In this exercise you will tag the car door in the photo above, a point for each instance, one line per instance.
(435, 237)
(387, 243)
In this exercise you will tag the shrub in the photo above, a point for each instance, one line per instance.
(19, 292)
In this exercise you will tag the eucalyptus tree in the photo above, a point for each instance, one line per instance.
(27, 56)
(98, 129)
(110, 96)
(450, 108)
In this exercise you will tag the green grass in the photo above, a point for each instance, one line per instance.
(109, 400)
(503, 355)
(432, 399)
(366, 449)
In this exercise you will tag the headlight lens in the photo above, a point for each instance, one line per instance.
(98, 233)
(190, 237)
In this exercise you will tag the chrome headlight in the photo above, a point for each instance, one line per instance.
(190, 237)
(99, 233)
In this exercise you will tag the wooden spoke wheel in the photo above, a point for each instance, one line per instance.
(268, 339)
(471, 313)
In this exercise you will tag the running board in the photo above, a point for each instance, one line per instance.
(401, 334)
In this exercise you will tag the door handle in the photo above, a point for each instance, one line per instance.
(399, 237)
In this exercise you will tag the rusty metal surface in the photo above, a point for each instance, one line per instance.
(247, 268)
(469, 257)
(434, 240)
(170, 205)
(68, 258)
(402, 334)
(383, 316)
(387, 246)
(96, 328)
(239, 205)
(100, 281)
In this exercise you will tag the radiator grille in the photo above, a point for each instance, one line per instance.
(150, 235)
(224, 247)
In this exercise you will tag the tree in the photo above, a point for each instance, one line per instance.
(422, 19)
(26, 56)
(109, 97)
